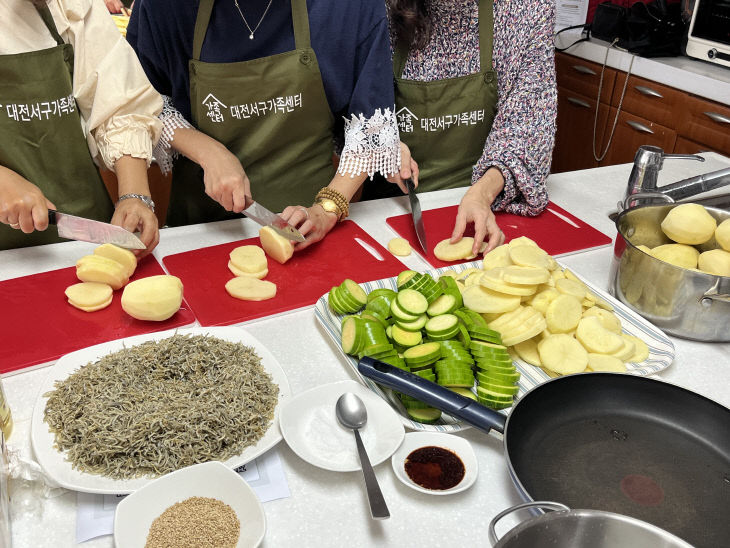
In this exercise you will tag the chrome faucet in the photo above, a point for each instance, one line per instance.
(647, 164)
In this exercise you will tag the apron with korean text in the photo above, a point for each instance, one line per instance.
(271, 113)
(446, 122)
(42, 139)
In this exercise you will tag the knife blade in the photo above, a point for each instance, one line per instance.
(416, 214)
(96, 232)
(256, 212)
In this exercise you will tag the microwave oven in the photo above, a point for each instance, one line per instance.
(708, 37)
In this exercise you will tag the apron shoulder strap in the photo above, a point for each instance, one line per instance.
(205, 8)
(45, 14)
(486, 34)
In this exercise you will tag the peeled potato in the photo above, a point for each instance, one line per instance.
(683, 256)
(522, 240)
(715, 261)
(562, 354)
(542, 299)
(626, 351)
(492, 279)
(499, 256)
(525, 275)
(250, 289)
(446, 251)
(89, 296)
(155, 298)
(480, 299)
(529, 255)
(608, 319)
(275, 245)
(236, 272)
(96, 268)
(722, 234)
(563, 314)
(602, 362)
(689, 224)
(527, 351)
(123, 256)
(641, 350)
(572, 287)
(400, 247)
(248, 258)
(596, 338)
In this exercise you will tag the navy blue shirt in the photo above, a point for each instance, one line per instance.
(349, 37)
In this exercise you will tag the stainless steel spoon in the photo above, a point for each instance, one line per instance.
(351, 413)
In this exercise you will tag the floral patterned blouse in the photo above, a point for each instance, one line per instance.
(521, 140)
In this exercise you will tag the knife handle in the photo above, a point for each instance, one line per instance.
(52, 216)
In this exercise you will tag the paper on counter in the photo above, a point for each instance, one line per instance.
(95, 513)
(570, 12)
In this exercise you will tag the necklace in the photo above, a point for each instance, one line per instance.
(250, 36)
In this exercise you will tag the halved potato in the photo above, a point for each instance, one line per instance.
(276, 246)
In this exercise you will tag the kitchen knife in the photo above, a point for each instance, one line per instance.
(88, 230)
(416, 214)
(256, 212)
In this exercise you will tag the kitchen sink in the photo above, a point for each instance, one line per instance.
(720, 201)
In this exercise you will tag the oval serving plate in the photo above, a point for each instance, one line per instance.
(59, 469)
(661, 349)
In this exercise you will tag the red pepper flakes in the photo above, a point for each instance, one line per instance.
(434, 468)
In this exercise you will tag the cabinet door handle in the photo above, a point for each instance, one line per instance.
(638, 126)
(584, 70)
(717, 117)
(649, 92)
(579, 102)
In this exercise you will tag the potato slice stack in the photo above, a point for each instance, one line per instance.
(549, 317)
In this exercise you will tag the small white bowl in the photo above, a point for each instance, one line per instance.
(135, 514)
(461, 447)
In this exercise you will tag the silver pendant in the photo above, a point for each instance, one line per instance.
(250, 36)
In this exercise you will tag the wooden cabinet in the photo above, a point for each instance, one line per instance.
(650, 114)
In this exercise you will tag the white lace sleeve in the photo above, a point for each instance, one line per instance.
(171, 120)
(371, 145)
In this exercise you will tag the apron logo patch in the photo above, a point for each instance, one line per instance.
(44, 110)
(214, 108)
(405, 120)
(276, 105)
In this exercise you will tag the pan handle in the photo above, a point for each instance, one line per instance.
(433, 394)
(493, 539)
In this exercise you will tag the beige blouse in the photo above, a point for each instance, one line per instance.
(117, 104)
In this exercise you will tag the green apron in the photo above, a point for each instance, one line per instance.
(446, 122)
(41, 136)
(271, 113)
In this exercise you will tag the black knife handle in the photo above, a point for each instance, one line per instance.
(52, 216)
(435, 395)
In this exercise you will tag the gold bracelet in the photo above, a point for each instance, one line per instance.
(333, 201)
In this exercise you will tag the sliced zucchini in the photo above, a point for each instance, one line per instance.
(406, 338)
(411, 301)
(426, 416)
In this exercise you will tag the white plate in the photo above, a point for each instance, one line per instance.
(311, 429)
(56, 466)
(135, 513)
(661, 349)
(460, 446)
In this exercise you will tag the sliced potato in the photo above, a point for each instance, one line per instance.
(123, 256)
(473, 278)
(563, 314)
(596, 338)
(89, 296)
(250, 289)
(609, 320)
(527, 351)
(641, 350)
(572, 287)
(236, 272)
(248, 258)
(602, 362)
(522, 240)
(464, 274)
(480, 299)
(542, 299)
(525, 275)
(529, 255)
(400, 247)
(562, 354)
(532, 326)
(97, 268)
(493, 280)
(446, 251)
(499, 256)
(626, 351)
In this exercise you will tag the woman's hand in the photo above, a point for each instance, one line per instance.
(114, 6)
(475, 207)
(312, 222)
(22, 204)
(408, 169)
(132, 214)
(224, 178)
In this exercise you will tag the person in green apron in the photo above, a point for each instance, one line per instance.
(476, 103)
(267, 86)
(55, 111)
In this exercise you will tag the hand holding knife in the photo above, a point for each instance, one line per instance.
(258, 213)
(416, 214)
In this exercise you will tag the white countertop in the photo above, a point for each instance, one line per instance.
(701, 78)
(328, 508)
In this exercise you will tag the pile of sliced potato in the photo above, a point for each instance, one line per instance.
(249, 264)
(546, 314)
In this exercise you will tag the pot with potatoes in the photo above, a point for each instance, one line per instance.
(671, 264)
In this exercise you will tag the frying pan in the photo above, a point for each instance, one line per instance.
(606, 441)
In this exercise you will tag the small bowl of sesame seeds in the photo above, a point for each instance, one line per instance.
(205, 504)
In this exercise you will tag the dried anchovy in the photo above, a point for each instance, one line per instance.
(160, 406)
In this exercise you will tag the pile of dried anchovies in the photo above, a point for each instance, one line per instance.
(160, 406)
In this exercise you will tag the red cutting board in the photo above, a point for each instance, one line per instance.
(550, 230)
(40, 326)
(302, 280)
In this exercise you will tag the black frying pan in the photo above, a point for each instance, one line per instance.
(606, 441)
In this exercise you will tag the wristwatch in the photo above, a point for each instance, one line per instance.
(330, 207)
(146, 200)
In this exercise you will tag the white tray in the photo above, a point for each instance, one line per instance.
(661, 349)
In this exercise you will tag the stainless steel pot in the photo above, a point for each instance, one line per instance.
(568, 528)
(682, 302)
